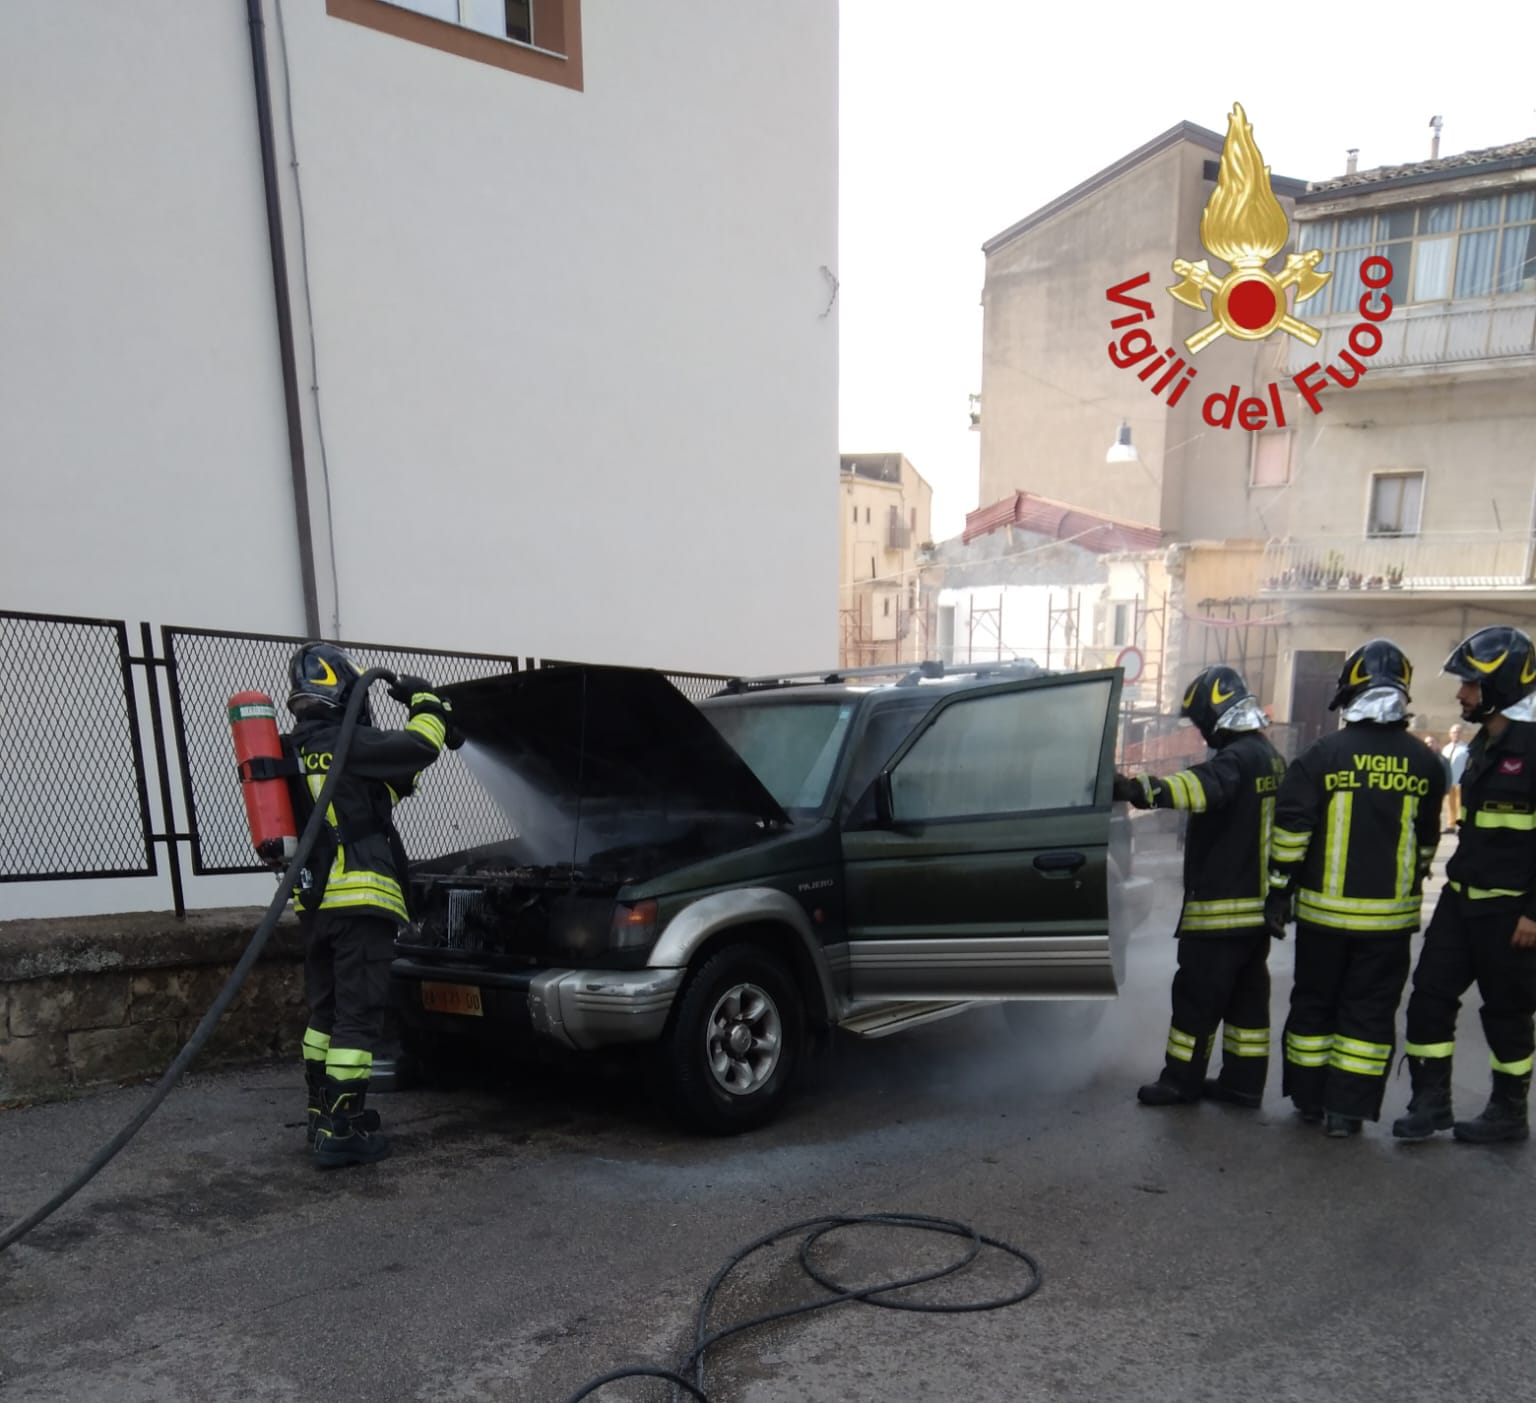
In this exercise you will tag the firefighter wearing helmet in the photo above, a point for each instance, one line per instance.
(1484, 925)
(1357, 821)
(351, 896)
(1223, 971)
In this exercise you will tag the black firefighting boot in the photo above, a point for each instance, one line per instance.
(1504, 1116)
(314, 1082)
(1337, 1127)
(344, 1134)
(1429, 1109)
(1166, 1092)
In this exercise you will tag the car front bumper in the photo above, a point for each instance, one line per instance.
(578, 1008)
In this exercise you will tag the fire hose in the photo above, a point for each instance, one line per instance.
(237, 977)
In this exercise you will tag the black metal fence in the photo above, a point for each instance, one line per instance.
(75, 780)
(74, 794)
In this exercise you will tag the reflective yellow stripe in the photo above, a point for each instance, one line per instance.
(1429, 1049)
(1485, 818)
(1279, 881)
(315, 1045)
(1335, 920)
(1179, 1052)
(1245, 1042)
(1372, 1052)
(348, 1063)
(1363, 905)
(1482, 893)
(1227, 903)
(1183, 1039)
(1407, 858)
(1365, 1068)
(1196, 793)
(1340, 810)
(1148, 788)
(1514, 1069)
(1290, 838)
(1306, 1050)
(429, 727)
(1266, 828)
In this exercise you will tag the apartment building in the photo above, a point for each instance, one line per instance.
(1403, 505)
(887, 515)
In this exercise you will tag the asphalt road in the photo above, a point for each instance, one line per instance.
(527, 1238)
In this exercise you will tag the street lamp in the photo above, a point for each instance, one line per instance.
(1122, 450)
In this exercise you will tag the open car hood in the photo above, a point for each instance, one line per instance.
(608, 769)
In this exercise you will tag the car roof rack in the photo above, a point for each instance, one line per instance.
(907, 674)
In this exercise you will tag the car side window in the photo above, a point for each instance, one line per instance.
(887, 728)
(1007, 752)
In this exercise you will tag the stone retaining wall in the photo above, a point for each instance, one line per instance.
(94, 1000)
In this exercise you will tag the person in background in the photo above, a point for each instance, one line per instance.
(1357, 821)
(1223, 970)
(1484, 926)
(1455, 754)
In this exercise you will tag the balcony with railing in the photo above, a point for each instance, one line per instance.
(1438, 562)
(898, 533)
(1496, 334)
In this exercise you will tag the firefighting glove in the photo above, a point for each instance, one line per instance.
(407, 687)
(1128, 789)
(1277, 913)
(454, 737)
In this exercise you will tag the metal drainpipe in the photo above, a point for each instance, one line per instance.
(284, 318)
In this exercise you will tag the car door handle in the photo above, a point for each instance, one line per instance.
(1059, 864)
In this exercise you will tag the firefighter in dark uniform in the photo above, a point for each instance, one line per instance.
(1484, 926)
(350, 897)
(1223, 971)
(1357, 821)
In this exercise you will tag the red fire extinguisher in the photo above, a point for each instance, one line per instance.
(263, 776)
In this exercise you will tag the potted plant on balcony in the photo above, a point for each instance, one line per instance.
(1353, 579)
(1394, 577)
(1375, 581)
(1333, 570)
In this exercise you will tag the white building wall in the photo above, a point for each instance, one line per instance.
(579, 395)
(143, 448)
(576, 362)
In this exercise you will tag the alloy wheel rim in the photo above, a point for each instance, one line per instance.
(743, 1039)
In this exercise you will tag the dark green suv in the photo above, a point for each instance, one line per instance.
(720, 880)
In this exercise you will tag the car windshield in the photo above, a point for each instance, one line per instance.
(792, 747)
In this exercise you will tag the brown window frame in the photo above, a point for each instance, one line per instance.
(556, 58)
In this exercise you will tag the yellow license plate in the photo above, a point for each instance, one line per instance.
(452, 998)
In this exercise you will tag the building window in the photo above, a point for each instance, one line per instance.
(1482, 246)
(866, 516)
(913, 521)
(1120, 626)
(1395, 502)
(1271, 465)
(855, 516)
(887, 604)
(537, 38)
(871, 567)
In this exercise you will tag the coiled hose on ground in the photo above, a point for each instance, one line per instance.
(237, 976)
(815, 1229)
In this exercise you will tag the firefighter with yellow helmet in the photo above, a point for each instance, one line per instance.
(351, 897)
(1223, 971)
(1357, 821)
(1484, 926)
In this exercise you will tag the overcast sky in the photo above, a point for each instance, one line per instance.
(960, 117)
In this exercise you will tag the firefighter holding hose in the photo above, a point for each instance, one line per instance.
(351, 895)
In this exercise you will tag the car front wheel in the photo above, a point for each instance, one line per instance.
(734, 1040)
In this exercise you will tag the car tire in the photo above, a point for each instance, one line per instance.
(733, 1041)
